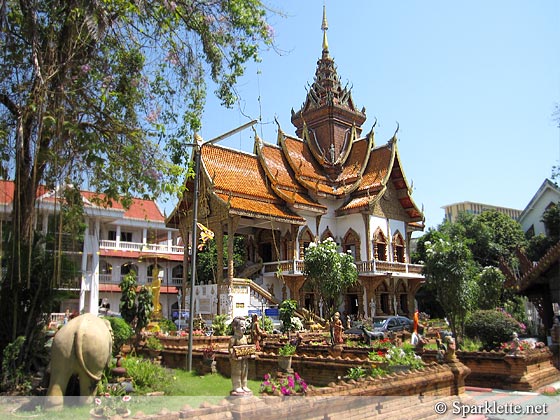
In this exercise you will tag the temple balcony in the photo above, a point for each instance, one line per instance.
(373, 267)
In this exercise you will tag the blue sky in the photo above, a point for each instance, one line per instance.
(473, 85)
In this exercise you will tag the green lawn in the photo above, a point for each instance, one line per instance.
(186, 388)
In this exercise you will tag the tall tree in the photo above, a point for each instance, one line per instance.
(449, 266)
(106, 94)
(330, 272)
(481, 241)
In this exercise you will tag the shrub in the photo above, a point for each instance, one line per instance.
(12, 373)
(145, 375)
(268, 325)
(356, 373)
(153, 343)
(287, 350)
(166, 325)
(219, 325)
(122, 332)
(287, 309)
(492, 327)
(471, 344)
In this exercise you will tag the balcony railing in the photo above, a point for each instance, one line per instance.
(110, 279)
(364, 267)
(140, 247)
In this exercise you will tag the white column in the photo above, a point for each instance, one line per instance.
(144, 236)
(118, 238)
(94, 291)
(45, 223)
(85, 251)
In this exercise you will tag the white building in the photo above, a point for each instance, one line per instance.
(116, 241)
(530, 219)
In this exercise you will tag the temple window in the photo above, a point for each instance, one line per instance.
(380, 246)
(351, 242)
(399, 249)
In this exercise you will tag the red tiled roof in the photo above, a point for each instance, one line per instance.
(260, 209)
(377, 169)
(236, 172)
(240, 181)
(282, 177)
(139, 209)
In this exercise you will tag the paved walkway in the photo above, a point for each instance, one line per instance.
(496, 404)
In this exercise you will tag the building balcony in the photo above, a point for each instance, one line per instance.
(141, 247)
(373, 267)
(111, 279)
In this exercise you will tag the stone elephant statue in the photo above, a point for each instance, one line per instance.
(82, 347)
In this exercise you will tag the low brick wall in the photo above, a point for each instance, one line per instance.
(409, 395)
(525, 371)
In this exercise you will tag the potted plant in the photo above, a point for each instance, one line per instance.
(154, 346)
(285, 354)
(107, 406)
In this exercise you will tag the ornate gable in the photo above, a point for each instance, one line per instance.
(328, 120)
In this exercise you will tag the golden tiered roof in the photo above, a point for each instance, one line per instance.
(326, 159)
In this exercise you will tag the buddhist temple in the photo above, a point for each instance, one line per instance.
(329, 179)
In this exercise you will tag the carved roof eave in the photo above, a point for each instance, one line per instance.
(337, 190)
(395, 158)
(365, 208)
(550, 258)
(247, 213)
(414, 207)
(370, 138)
(353, 137)
(312, 184)
(348, 108)
(283, 193)
(289, 198)
(313, 147)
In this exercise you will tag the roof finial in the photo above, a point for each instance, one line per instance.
(325, 27)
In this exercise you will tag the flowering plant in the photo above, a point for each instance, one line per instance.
(383, 343)
(403, 356)
(397, 356)
(108, 405)
(288, 385)
(521, 325)
(377, 356)
(208, 352)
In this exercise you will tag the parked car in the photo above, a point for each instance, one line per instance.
(386, 324)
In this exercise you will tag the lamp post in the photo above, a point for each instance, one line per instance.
(197, 147)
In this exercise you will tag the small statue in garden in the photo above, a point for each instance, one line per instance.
(515, 343)
(239, 354)
(418, 341)
(296, 341)
(337, 328)
(257, 333)
(450, 349)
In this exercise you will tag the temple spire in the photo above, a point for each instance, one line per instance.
(325, 28)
